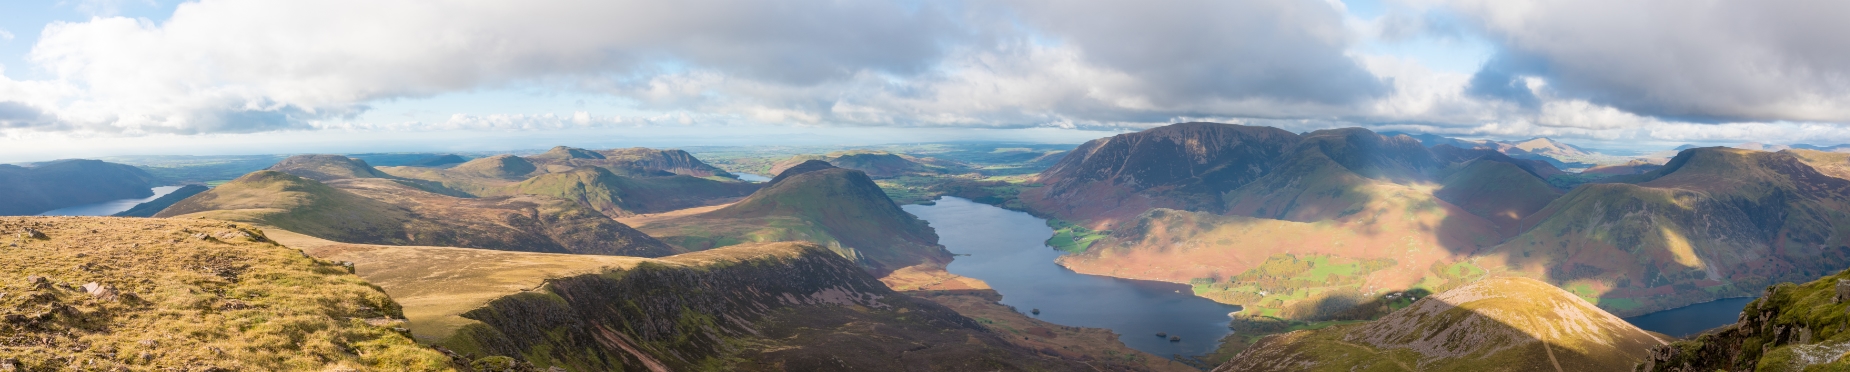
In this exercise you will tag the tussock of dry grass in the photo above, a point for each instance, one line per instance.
(190, 295)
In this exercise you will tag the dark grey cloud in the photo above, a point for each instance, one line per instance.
(20, 115)
(1288, 50)
(1713, 61)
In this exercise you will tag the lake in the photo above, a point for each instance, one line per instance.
(748, 177)
(1693, 319)
(110, 207)
(1008, 249)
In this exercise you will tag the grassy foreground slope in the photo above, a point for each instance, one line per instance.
(1498, 324)
(181, 294)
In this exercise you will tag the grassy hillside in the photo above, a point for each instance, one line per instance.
(68, 183)
(188, 295)
(841, 208)
(296, 204)
(619, 196)
(1713, 223)
(327, 167)
(1498, 324)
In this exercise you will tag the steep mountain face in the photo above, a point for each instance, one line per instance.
(776, 306)
(878, 164)
(1335, 173)
(841, 208)
(327, 168)
(1497, 324)
(1449, 154)
(1791, 327)
(1712, 223)
(385, 212)
(619, 196)
(1180, 166)
(88, 293)
(1498, 191)
(152, 207)
(67, 183)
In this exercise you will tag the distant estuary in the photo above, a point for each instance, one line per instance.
(1008, 249)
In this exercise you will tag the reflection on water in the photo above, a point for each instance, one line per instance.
(1693, 319)
(110, 207)
(1007, 249)
(748, 177)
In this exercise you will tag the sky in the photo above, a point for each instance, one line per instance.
(91, 78)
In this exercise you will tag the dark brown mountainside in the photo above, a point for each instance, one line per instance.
(67, 183)
(840, 208)
(755, 307)
(1632, 167)
(381, 211)
(1181, 166)
(1450, 154)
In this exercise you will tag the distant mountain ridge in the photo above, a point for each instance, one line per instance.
(381, 210)
(814, 201)
(68, 183)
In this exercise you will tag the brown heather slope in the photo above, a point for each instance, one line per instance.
(381, 211)
(840, 208)
(1713, 223)
(752, 307)
(327, 167)
(1497, 324)
(194, 295)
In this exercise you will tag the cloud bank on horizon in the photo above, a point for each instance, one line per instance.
(1658, 70)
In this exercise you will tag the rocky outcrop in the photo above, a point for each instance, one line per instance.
(1791, 327)
(777, 306)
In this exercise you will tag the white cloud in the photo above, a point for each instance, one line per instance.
(5, 36)
(223, 66)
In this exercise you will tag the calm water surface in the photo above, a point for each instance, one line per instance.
(748, 177)
(110, 207)
(1693, 319)
(1008, 249)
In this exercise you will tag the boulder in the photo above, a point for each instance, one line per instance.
(100, 291)
(1843, 290)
